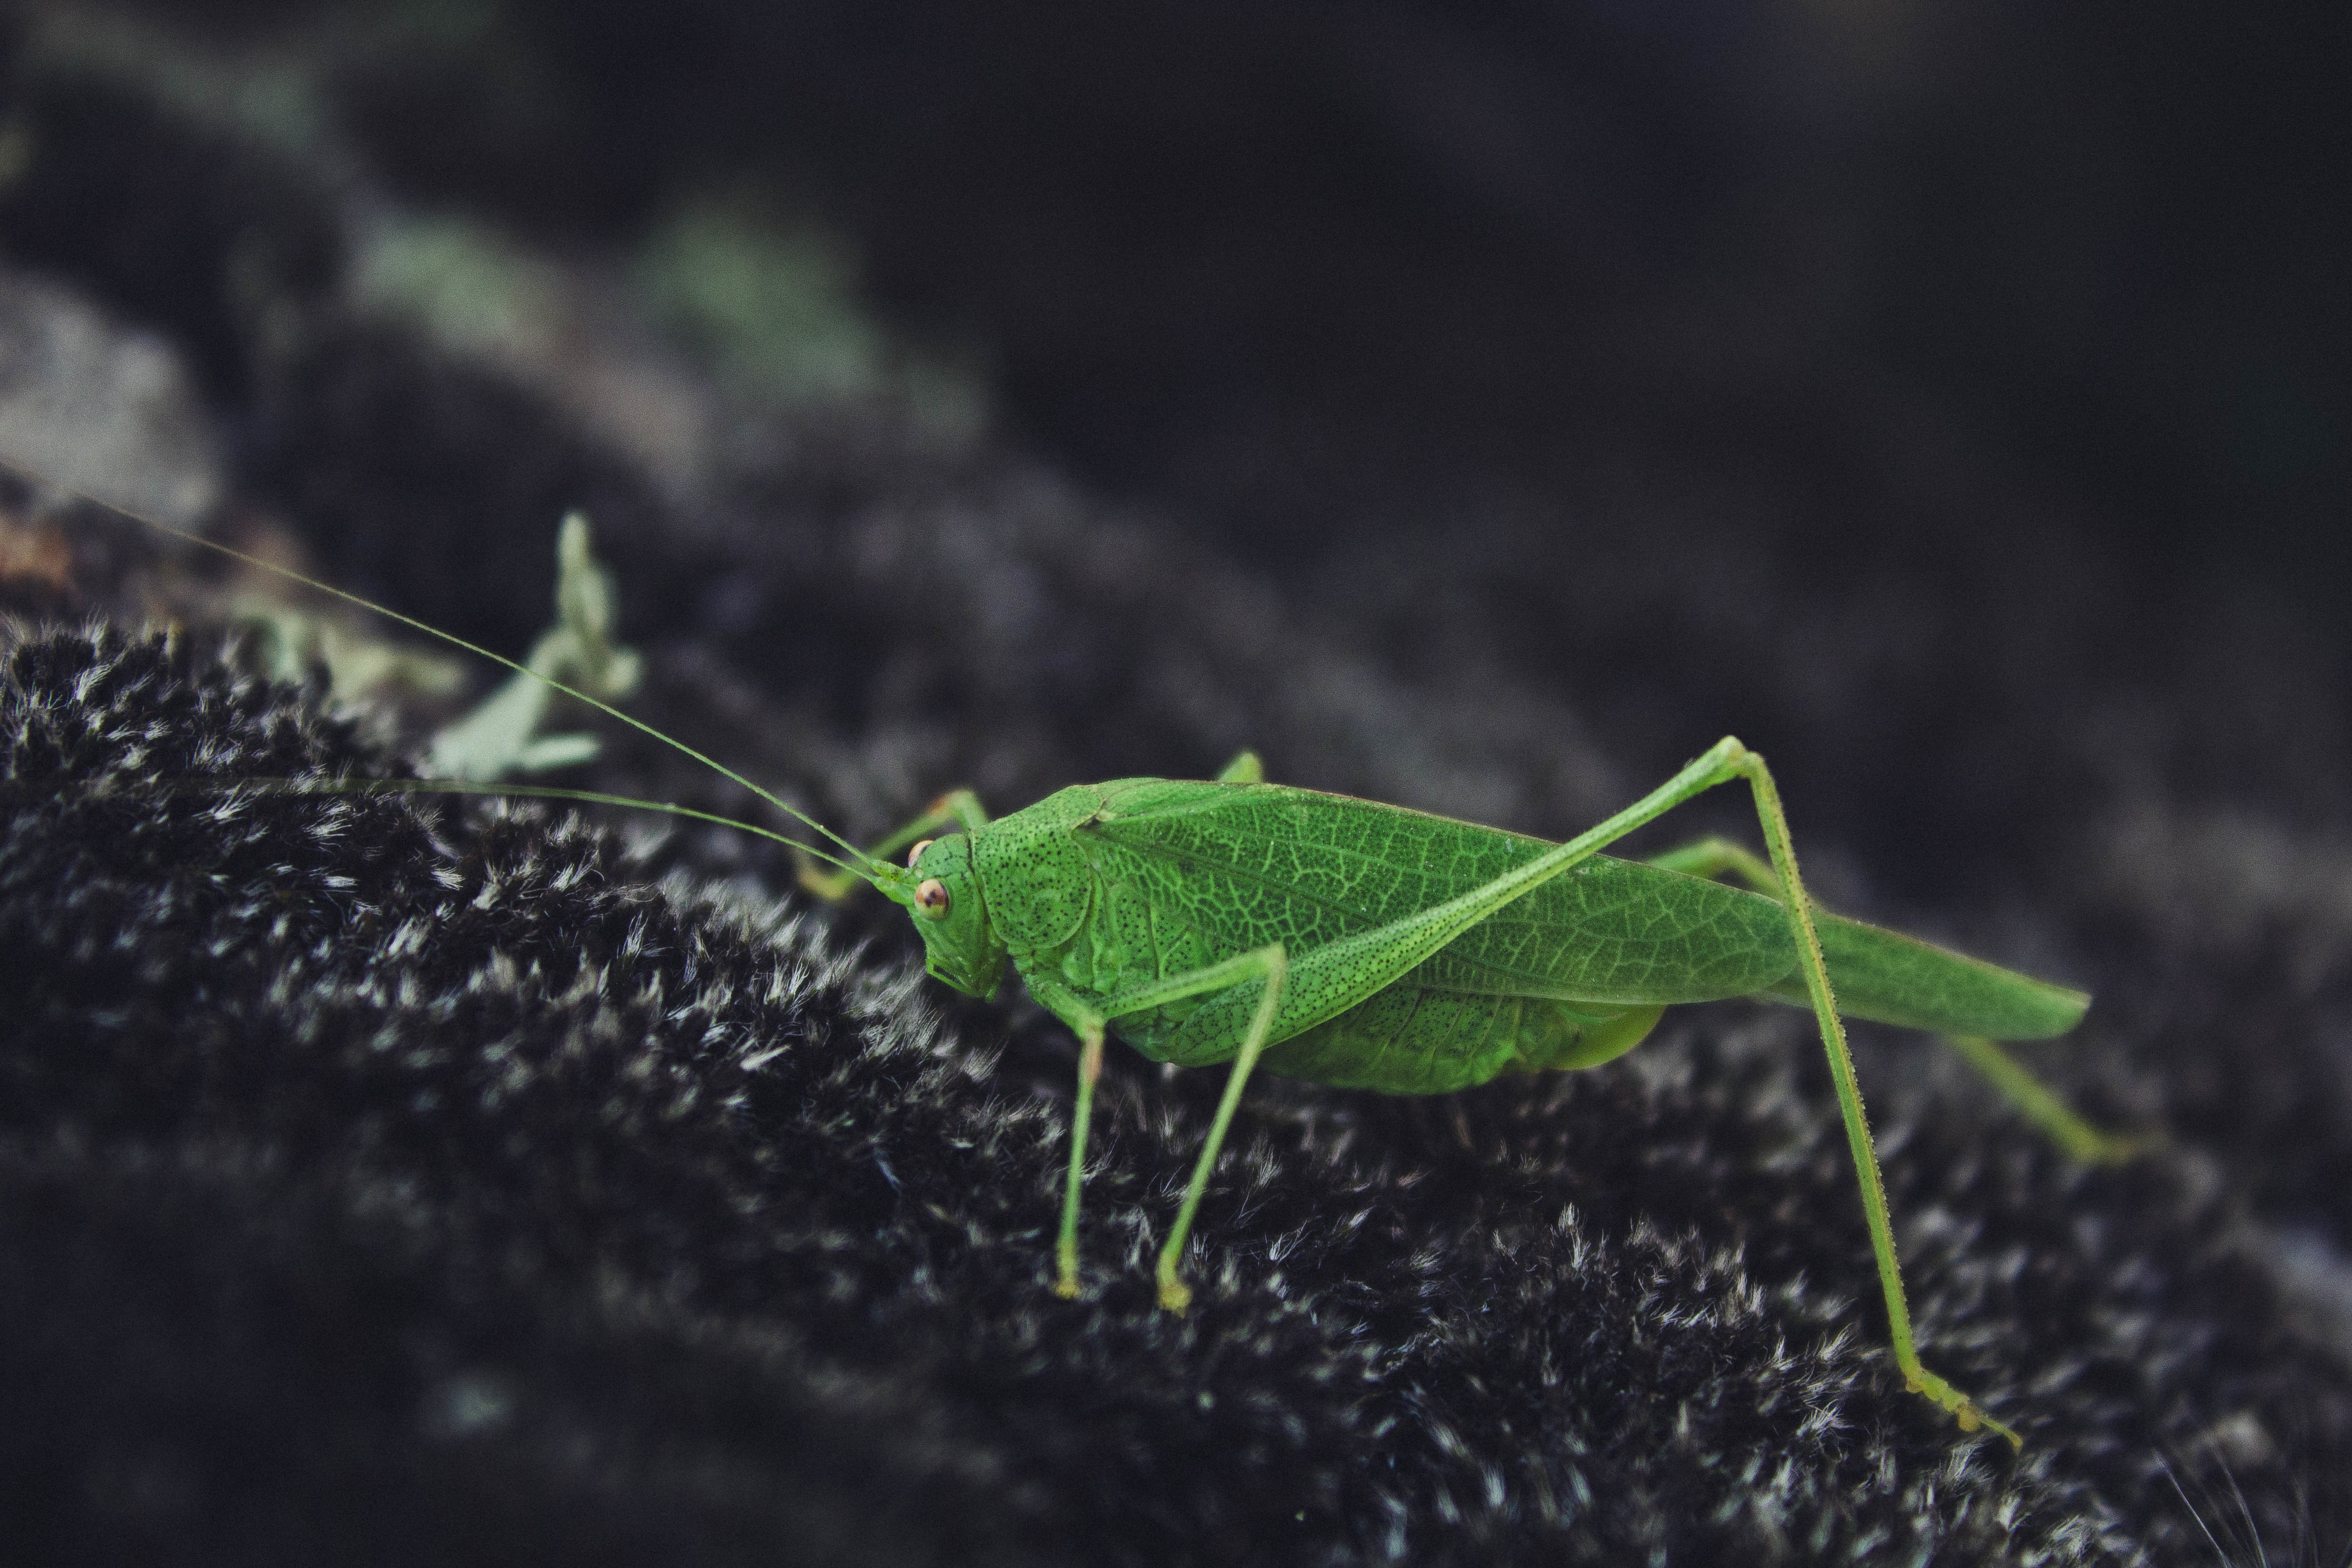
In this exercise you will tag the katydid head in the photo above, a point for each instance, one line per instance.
(941, 888)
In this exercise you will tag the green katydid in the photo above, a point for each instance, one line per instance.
(1363, 945)
(1357, 944)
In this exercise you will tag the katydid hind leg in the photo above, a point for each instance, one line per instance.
(1326, 981)
(1715, 860)
(1727, 761)
(2079, 1138)
(1720, 859)
(1743, 764)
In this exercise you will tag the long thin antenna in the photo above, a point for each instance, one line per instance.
(537, 792)
(859, 862)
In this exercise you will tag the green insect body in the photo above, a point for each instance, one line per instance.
(1156, 877)
(1352, 944)
(1103, 887)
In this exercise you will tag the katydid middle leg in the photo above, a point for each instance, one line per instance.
(1269, 964)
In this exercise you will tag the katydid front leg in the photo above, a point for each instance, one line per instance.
(958, 806)
(962, 807)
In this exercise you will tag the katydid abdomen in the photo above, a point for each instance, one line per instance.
(1418, 1040)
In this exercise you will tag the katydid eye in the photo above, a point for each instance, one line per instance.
(916, 852)
(931, 898)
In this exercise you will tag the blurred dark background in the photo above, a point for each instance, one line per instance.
(1321, 274)
(1313, 268)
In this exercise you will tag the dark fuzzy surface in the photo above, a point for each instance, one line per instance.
(391, 1179)
(439, 1188)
